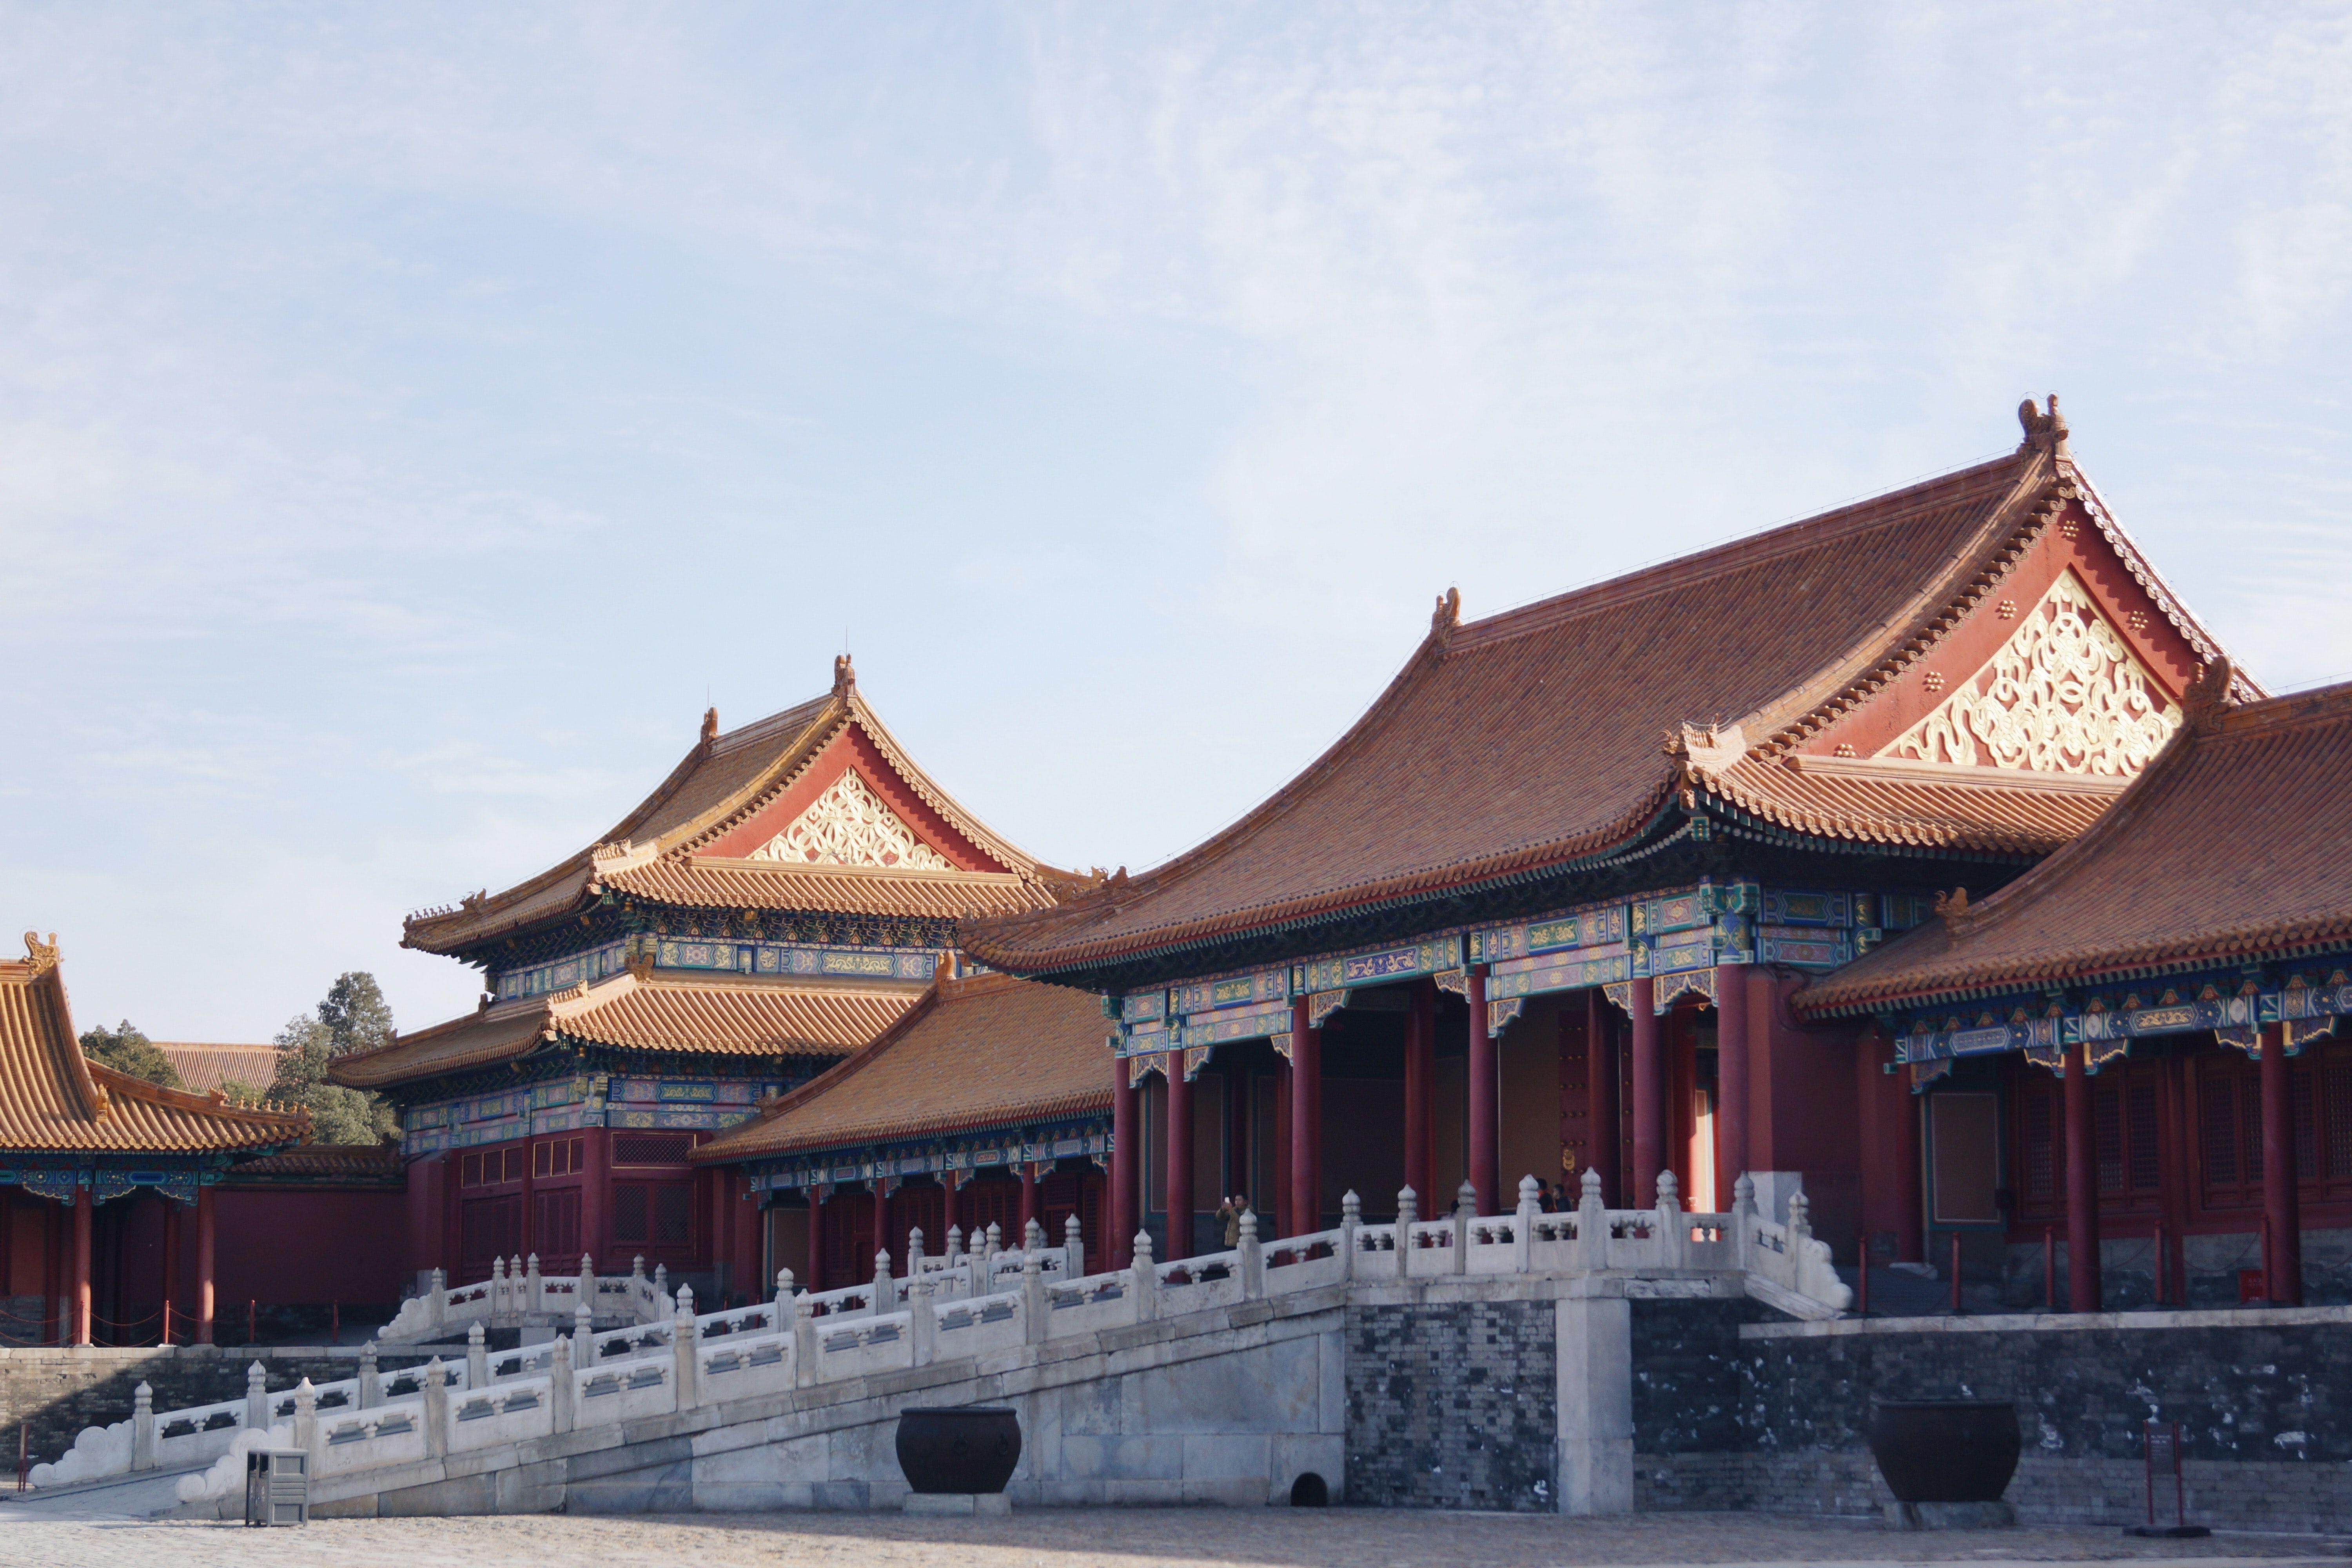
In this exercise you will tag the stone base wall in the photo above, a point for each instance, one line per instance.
(1453, 1404)
(2223, 1494)
(2127, 1269)
(56, 1393)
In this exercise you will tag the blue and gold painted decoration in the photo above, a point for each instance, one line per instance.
(1240, 1023)
(701, 955)
(1245, 990)
(585, 1100)
(577, 969)
(1569, 971)
(1379, 966)
(1807, 947)
(988, 1151)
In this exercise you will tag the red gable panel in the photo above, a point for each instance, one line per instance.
(851, 750)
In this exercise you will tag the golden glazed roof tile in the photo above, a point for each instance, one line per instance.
(657, 850)
(54, 1099)
(714, 1016)
(2235, 846)
(205, 1068)
(986, 1051)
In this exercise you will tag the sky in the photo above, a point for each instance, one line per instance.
(411, 418)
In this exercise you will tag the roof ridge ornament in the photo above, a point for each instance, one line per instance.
(2207, 697)
(709, 726)
(1447, 615)
(2044, 431)
(845, 675)
(41, 955)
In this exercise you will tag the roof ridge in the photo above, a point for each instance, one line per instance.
(2289, 710)
(1664, 577)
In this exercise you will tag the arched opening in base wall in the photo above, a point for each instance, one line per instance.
(1310, 1491)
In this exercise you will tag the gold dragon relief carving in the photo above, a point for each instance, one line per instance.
(849, 825)
(2064, 695)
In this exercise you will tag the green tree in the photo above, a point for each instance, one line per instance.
(127, 1050)
(354, 1017)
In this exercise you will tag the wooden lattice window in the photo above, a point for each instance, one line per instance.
(654, 1213)
(651, 1148)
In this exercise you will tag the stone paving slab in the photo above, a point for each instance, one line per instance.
(1072, 1537)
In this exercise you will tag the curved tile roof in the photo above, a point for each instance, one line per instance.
(54, 1099)
(205, 1068)
(719, 1015)
(2235, 844)
(988, 1051)
(1547, 735)
(720, 783)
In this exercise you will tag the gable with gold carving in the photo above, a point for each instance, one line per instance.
(849, 825)
(2064, 695)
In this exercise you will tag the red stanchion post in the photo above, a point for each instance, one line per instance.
(1956, 1273)
(249, 1337)
(335, 1323)
(1861, 1274)
(2158, 1266)
(2049, 1268)
(166, 1341)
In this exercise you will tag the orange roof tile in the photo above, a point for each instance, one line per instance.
(52, 1098)
(1529, 742)
(715, 1014)
(331, 1162)
(720, 786)
(205, 1068)
(2235, 846)
(986, 1051)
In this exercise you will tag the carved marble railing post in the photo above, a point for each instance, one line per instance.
(478, 1358)
(1033, 1305)
(1743, 1220)
(914, 1250)
(1407, 1217)
(885, 1292)
(1142, 1283)
(1523, 1226)
(587, 1283)
(783, 1296)
(498, 1293)
(534, 1297)
(436, 1408)
(955, 1246)
(1466, 1209)
(143, 1427)
(805, 1348)
(583, 1336)
(371, 1379)
(1592, 1224)
(924, 1322)
(562, 1400)
(1032, 1238)
(1252, 1253)
(1073, 1248)
(637, 1267)
(661, 1283)
(306, 1421)
(988, 1258)
(256, 1398)
(1674, 1230)
(1351, 1220)
(686, 1351)
(436, 1304)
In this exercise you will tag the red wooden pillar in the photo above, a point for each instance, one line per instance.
(1730, 1078)
(172, 1297)
(596, 1179)
(1233, 1181)
(1604, 1071)
(1284, 1223)
(816, 1279)
(2282, 1204)
(80, 1283)
(1486, 1095)
(54, 1227)
(1177, 1159)
(1649, 1094)
(1028, 1199)
(2173, 1176)
(1910, 1188)
(2082, 1293)
(1125, 1146)
(949, 1187)
(204, 1247)
(1421, 1094)
(1305, 1122)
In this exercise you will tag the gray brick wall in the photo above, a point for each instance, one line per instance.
(1453, 1405)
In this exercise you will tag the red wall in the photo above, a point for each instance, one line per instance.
(295, 1247)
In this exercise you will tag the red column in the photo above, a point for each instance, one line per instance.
(1421, 1093)
(2172, 1171)
(80, 1283)
(54, 1226)
(1486, 1095)
(2282, 1204)
(816, 1279)
(1125, 1141)
(1305, 1122)
(204, 1235)
(1028, 1202)
(595, 1179)
(172, 1299)
(1910, 1190)
(1604, 1072)
(1177, 1159)
(1283, 1220)
(947, 1220)
(2081, 1188)
(1649, 1094)
(1730, 1078)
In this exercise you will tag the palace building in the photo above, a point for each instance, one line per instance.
(787, 895)
(1550, 904)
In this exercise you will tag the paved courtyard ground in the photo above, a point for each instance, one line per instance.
(1060, 1537)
